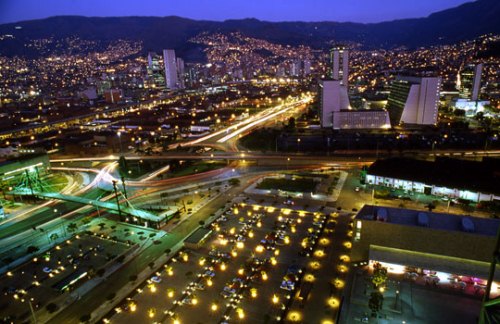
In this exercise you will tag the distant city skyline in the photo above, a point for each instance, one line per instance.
(363, 11)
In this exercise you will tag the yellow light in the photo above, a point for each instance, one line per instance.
(345, 258)
(209, 282)
(176, 321)
(214, 307)
(342, 268)
(250, 234)
(309, 277)
(347, 244)
(315, 265)
(241, 313)
(241, 271)
(326, 322)
(253, 292)
(170, 293)
(381, 289)
(232, 231)
(195, 301)
(333, 302)
(236, 211)
(276, 299)
(234, 253)
(151, 312)
(273, 261)
(133, 307)
(277, 252)
(170, 271)
(202, 261)
(338, 283)
(319, 253)
(264, 275)
(259, 224)
(294, 316)
(152, 288)
(324, 241)
(293, 229)
(240, 245)
(287, 240)
(259, 248)
(223, 266)
(185, 257)
(299, 221)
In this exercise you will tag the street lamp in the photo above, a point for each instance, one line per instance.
(298, 144)
(120, 141)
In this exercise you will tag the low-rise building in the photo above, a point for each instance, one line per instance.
(413, 240)
(452, 178)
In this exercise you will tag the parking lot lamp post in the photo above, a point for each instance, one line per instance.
(32, 311)
(117, 200)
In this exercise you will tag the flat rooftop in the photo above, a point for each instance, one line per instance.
(476, 176)
(439, 221)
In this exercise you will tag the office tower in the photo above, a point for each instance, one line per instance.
(470, 81)
(340, 64)
(170, 65)
(295, 68)
(307, 67)
(414, 100)
(155, 70)
(180, 72)
(334, 98)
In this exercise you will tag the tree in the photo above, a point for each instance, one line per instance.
(379, 275)
(234, 182)
(375, 302)
(51, 307)
(32, 249)
(72, 227)
(201, 223)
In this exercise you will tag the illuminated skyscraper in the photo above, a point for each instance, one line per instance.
(414, 100)
(170, 65)
(340, 65)
(155, 70)
(470, 81)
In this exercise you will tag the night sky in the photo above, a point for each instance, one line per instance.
(272, 10)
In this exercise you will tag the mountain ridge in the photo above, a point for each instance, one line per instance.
(463, 22)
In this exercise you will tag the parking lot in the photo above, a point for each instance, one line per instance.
(252, 268)
(49, 275)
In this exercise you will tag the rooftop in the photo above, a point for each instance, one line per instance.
(439, 221)
(452, 173)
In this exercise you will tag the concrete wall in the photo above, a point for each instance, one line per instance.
(420, 239)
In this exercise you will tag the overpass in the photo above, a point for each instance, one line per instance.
(127, 210)
(292, 158)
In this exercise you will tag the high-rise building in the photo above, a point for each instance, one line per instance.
(334, 98)
(414, 100)
(469, 82)
(340, 62)
(181, 73)
(170, 66)
(307, 67)
(295, 68)
(155, 70)
(336, 112)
